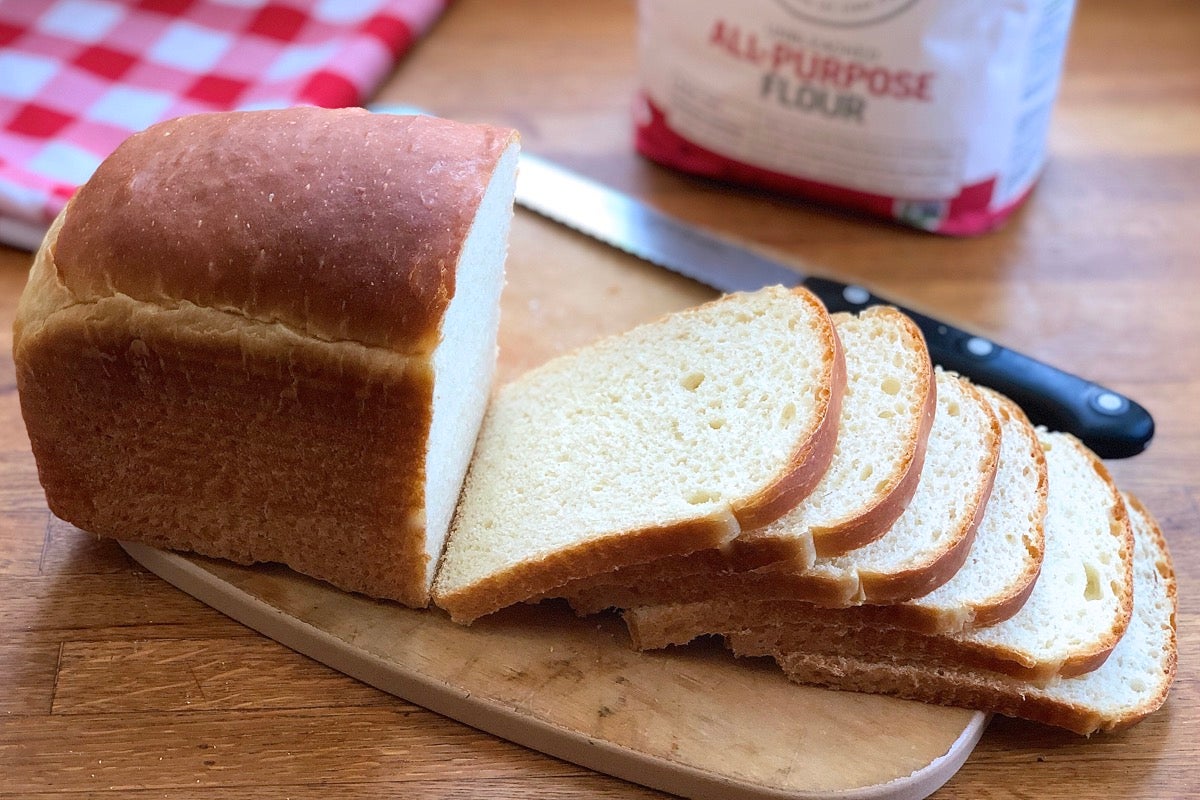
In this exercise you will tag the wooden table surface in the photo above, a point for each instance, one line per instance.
(113, 683)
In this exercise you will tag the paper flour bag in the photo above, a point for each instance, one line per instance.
(931, 112)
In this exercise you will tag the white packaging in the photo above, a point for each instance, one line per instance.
(931, 112)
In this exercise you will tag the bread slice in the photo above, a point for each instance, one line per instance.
(1078, 610)
(670, 438)
(270, 336)
(1132, 683)
(993, 584)
(886, 415)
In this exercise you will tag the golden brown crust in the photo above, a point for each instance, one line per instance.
(341, 224)
(736, 587)
(536, 578)
(148, 424)
(932, 686)
(860, 640)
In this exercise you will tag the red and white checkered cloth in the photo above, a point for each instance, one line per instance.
(78, 76)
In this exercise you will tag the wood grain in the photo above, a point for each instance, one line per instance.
(1097, 273)
(690, 721)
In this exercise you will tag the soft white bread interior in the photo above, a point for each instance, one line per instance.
(1133, 682)
(1005, 559)
(886, 416)
(670, 438)
(269, 336)
(928, 543)
(464, 361)
(1082, 600)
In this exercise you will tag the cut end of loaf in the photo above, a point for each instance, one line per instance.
(464, 363)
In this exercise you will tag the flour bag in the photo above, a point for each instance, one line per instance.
(931, 112)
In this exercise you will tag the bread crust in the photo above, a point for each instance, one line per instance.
(145, 424)
(532, 579)
(341, 224)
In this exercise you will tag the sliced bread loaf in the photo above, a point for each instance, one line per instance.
(670, 438)
(886, 415)
(1075, 615)
(1132, 683)
(992, 585)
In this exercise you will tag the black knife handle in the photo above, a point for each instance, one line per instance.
(1111, 424)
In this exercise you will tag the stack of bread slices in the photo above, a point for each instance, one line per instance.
(811, 488)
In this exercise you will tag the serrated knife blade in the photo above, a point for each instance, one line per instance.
(1110, 423)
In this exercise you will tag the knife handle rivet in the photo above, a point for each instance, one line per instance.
(978, 346)
(856, 295)
(1109, 403)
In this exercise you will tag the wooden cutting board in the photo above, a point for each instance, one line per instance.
(693, 721)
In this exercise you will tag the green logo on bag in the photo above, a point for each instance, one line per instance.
(846, 13)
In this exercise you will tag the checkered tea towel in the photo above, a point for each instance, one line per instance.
(78, 76)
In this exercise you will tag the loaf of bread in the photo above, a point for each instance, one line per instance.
(270, 336)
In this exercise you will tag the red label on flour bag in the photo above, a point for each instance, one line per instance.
(930, 112)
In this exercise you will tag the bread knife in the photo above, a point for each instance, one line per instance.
(1111, 424)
